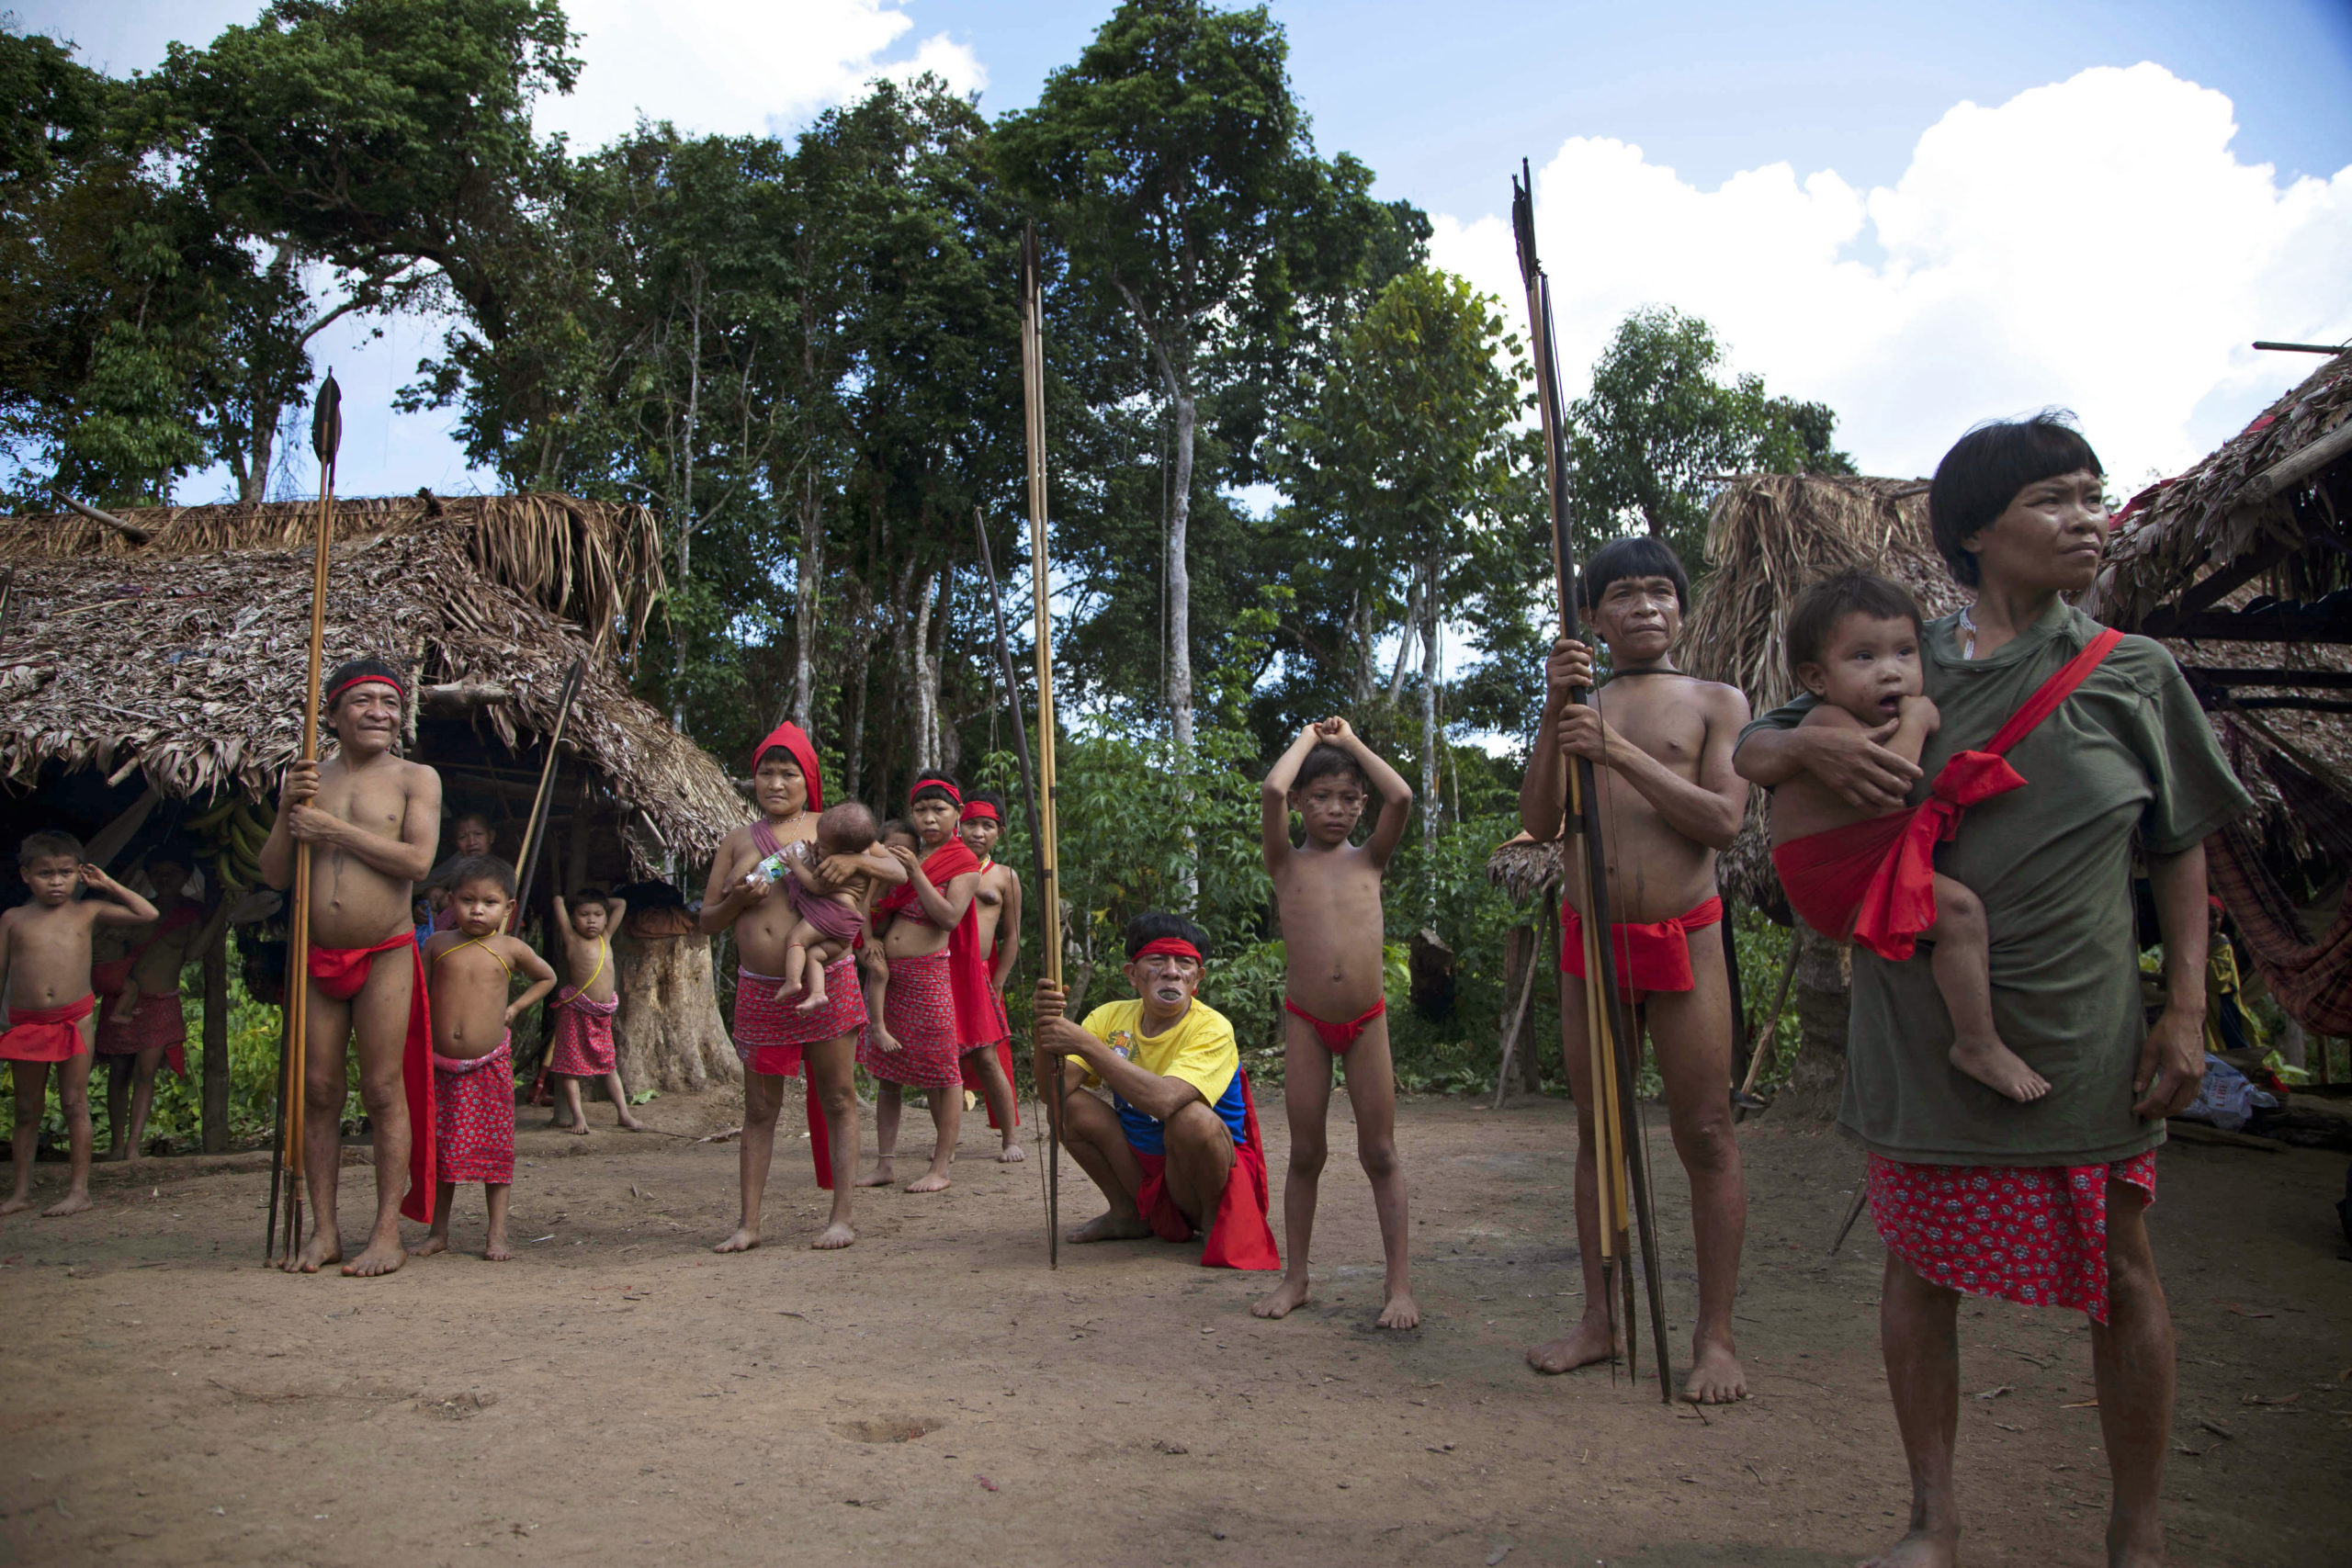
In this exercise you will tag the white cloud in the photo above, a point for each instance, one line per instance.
(2093, 243)
(738, 66)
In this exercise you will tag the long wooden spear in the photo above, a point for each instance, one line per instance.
(1050, 885)
(1620, 1149)
(326, 437)
(534, 837)
(1049, 922)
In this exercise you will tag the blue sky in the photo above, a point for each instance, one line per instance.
(1925, 215)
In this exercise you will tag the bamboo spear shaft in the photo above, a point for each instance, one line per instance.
(1049, 886)
(326, 437)
(1620, 1150)
(535, 840)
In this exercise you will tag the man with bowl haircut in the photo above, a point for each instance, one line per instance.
(1176, 1150)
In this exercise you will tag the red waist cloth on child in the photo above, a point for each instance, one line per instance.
(967, 966)
(583, 1037)
(473, 1115)
(157, 1023)
(1336, 1037)
(46, 1035)
(771, 1037)
(1888, 900)
(2035, 1234)
(340, 972)
(1239, 1235)
(1649, 957)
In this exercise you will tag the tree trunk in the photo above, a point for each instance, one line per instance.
(1430, 802)
(214, 1118)
(860, 658)
(946, 746)
(1404, 636)
(804, 596)
(926, 673)
(668, 1034)
(1180, 575)
(1361, 683)
(1823, 988)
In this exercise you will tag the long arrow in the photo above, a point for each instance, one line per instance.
(1049, 884)
(535, 841)
(1621, 1150)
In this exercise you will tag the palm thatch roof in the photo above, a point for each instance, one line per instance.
(186, 665)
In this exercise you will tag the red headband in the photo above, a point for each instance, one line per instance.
(981, 811)
(1173, 944)
(370, 679)
(925, 786)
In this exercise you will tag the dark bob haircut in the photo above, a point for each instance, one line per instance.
(482, 868)
(1324, 759)
(1820, 607)
(1151, 927)
(1985, 469)
(1638, 556)
(932, 784)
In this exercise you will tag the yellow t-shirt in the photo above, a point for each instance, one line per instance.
(1200, 1050)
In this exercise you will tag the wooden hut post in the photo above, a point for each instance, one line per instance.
(214, 1116)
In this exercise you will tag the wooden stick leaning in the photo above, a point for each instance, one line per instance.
(1050, 924)
(535, 840)
(1619, 1148)
(326, 437)
(1049, 886)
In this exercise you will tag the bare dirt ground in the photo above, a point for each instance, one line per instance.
(618, 1393)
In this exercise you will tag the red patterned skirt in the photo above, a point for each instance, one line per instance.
(2034, 1234)
(474, 1116)
(158, 1024)
(771, 1035)
(583, 1038)
(920, 1012)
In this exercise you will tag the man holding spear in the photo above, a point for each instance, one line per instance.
(371, 820)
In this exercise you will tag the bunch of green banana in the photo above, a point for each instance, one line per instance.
(234, 828)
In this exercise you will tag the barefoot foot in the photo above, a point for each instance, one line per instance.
(380, 1257)
(929, 1181)
(1921, 1549)
(880, 1176)
(1279, 1301)
(1010, 1155)
(1997, 1067)
(431, 1245)
(122, 1153)
(833, 1237)
(1592, 1339)
(580, 1128)
(72, 1204)
(322, 1249)
(629, 1123)
(743, 1240)
(1108, 1227)
(496, 1250)
(1401, 1310)
(813, 1000)
(18, 1205)
(1715, 1376)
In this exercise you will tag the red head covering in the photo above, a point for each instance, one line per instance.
(1176, 945)
(792, 739)
(926, 786)
(981, 811)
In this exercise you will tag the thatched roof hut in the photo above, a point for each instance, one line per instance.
(176, 659)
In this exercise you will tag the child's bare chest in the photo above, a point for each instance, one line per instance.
(1329, 880)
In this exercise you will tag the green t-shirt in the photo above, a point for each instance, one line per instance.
(2129, 754)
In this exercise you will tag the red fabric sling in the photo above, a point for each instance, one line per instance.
(1900, 902)
(967, 966)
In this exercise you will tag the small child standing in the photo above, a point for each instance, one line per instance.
(1853, 641)
(582, 1046)
(473, 1060)
(1327, 891)
(828, 915)
(45, 955)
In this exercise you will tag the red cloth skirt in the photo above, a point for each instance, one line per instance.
(1651, 957)
(583, 1038)
(46, 1035)
(157, 1025)
(967, 1062)
(339, 972)
(1239, 1235)
(920, 1012)
(771, 1037)
(474, 1116)
(2034, 1234)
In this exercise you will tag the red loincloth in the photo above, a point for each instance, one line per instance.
(2034, 1234)
(921, 1014)
(771, 1037)
(46, 1035)
(473, 1115)
(157, 1023)
(340, 972)
(1654, 957)
(1336, 1037)
(968, 1065)
(583, 1037)
(1239, 1236)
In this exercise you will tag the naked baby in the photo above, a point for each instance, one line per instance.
(827, 915)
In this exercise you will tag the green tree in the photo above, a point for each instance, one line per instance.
(1660, 426)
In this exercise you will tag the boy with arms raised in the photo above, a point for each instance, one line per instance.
(583, 1017)
(987, 1068)
(370, 819)
(45, 955)
(1661, 744)
(1329, 892)
(473, 1058)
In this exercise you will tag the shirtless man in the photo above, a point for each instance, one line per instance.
(987, 1069)
(774, 1038)
(1661, 744)
(370, 819)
